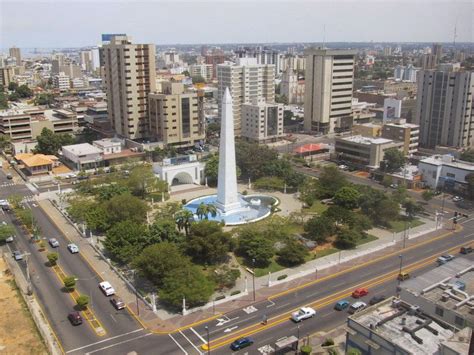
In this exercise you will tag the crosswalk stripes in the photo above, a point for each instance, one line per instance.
(7, 184)
(29, 198)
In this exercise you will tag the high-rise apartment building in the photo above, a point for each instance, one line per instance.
(246, 81)
(262, 122)
(445, 108)
(16, 53)
(129, 75)
(291, 87)
(6, 75)
(329, 82)
(62, 82)
(176, 118)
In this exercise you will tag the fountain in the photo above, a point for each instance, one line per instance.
(232, 207)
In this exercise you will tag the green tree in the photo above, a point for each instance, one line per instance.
(377, 206)
(52, 258)
(412, 208)
(50, 143)
(292, 254)
(126, 207)
(3, 101)
(347, 197)
(213, 129)
(251, 158)
(4, 142)
(311, 191)
(427, 195)
(69, 283)
(347, 238)
(319, 228)
(189, 283)
(14, 96)
(394, 159)
(125, 240)
(253, 245)
(269, 183)
(156, 261)
(387, 181)
(198, 79)
(340, 215)
(211, 169)
(15, 200)
(168, 210)
(44, 99)
(470, 185)
(224, 276)
(184, 218)
(106, 192)
(24, 91)
(207, 243)
(97, 218)
(13, 86)
(331, 180)
(164, 230)
(142, 181)
(5, 232)
(353, 351)
(82, 301)
(467, 155)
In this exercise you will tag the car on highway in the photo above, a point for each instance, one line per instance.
(360, 292)
(241, 343)
(53, 242)
(466, 249)
(443, 259)
(403, 276)
(106, 288)
(377, 299)
(17, 255)
(73, 248)
(75, 318)
(117, 303)
(341, 305)
(457, 199)
(357, 307)
(302, 314)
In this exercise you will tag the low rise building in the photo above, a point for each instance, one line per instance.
(445, 173)
(108, 146)
(370, 129)
(397, 327)
(82, 156)
(364, 151)
(36, 164)
(408, 133)
(262, 122)
(62, 82)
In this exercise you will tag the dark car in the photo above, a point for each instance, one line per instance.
(75, 318)
(241, 343)
(17, 255)
(377, 299)
(117, 303)
(466, 250)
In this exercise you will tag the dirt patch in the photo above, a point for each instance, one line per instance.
(18, 333)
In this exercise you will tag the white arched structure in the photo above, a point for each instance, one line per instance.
(186, 173)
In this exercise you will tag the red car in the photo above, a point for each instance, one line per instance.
(360, 292)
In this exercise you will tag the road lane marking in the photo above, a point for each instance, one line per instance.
(190, 342)
(197, 334)
(103, 341)
(184, 351)
(120, 343)
(111, 316)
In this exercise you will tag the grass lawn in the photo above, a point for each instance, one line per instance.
(273, 267)
(317, 207)
(369, 238)
(399, 225)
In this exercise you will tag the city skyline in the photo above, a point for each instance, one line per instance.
(196, 22)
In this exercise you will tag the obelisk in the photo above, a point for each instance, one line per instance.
(227, 197)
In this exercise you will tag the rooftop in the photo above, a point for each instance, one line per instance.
(413, 331)
(82, 149)
(448, 160)
(402, 125)
(105, 143)
(366, 140)
(441, 286)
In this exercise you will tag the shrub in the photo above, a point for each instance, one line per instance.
(52, 258)
(328, 342)
(245, 192)
(236, 292)
(183, 201)
(82, 301)
(69, 283)
(282, 277)
(221, 297)
(306, 350)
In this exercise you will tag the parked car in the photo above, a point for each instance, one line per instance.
(357, 307)
(443, 259)
(73, 248)
(466, 249)
(343, 167)
(17, 255)
(341, 305)
(303, 313)
(75, 318)
(360, 292)
(403, 276)
(9, 239)
(117, 303)
(106, 288)
(377, 299)
(394, 186)
(53, 242)
(9, 176)
(457, 199)
(241, 343)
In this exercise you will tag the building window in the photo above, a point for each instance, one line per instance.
(451, 175)
(439, 311)
(459, 321)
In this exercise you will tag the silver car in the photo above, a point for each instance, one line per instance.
(53, 242)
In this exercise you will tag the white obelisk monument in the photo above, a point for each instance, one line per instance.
(227, 197)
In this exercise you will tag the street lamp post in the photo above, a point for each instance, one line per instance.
(253, 277)
(298, 336)
(136, 292)
(400, 271)
(208, 343)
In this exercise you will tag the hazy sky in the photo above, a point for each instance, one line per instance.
(80, 23)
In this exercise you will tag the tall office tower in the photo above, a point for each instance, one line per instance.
(129, 75)
(86, 60)
(176, 118)
(246, 81)
(444, 108)
(329, 81)
(214, 58)
(437, 51)
(16, 53)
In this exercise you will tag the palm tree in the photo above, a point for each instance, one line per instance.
(212, 209)
(184, 218)
(202, 210)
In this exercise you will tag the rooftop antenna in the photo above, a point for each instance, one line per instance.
(455, 34)
(324, 36)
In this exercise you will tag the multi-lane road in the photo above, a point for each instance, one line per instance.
(125, 335)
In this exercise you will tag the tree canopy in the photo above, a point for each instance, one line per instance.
(50, 143)
(125, 240)
(253, 245)
(394, 159)
(292, 254)
(347, 197)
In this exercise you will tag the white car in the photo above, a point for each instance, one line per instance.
(9, 239)
(457, 199)
(302, 314)
(53, 242)
(73, 248)
(107, 288)
(357, 307)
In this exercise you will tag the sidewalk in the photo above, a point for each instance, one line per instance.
(162, 321)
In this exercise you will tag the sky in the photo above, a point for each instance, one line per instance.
(59, 23)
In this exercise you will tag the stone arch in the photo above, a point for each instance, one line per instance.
(182, 178)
